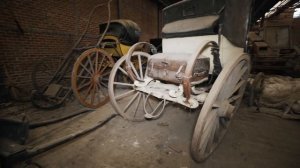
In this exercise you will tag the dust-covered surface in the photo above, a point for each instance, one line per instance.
(276, 92)
(253, 140)
(280, 89)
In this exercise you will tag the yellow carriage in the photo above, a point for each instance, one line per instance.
(92, 68)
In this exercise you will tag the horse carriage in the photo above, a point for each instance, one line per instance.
(203, 63)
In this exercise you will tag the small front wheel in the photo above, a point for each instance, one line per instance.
(126, 100)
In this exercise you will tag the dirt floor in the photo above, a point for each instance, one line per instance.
(253, 140)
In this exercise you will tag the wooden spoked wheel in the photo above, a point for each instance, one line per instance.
(90, 76)
(221, 103)
(127, 101)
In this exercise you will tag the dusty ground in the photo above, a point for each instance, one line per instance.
(253, 140)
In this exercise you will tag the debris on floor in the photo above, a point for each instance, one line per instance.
(41, 130)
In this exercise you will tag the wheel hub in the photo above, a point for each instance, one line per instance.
(96, 78)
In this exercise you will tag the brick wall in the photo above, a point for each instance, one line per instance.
(32, 29)
(144, 13)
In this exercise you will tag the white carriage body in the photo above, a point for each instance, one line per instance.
(189, 45)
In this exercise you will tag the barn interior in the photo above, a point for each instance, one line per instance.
(151, 83)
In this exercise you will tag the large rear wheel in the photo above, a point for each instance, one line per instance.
(221, 103)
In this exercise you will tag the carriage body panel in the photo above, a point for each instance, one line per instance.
(189, 45)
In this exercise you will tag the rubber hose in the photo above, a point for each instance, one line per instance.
(52, 121)
(44, 147)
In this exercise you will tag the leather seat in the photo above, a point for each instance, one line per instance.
(127, 31)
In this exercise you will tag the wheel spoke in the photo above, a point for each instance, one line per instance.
(124, 94)
(232, 82)
(135, 71)
(88, 92)
(130, 102)
(84, 77)
(217, 104)
(140, 66)
(82, 70)
(239, 75)
(234, 98)
(230, 109)
(91, 64)
(104, 69)
(104, 79)
(106, 73)
(101, 89)
(84, 85)
(123, 71)
(85, 68)
(82, 82)
(104, 84)
(243, 71)
(240, 83)
(137, 105)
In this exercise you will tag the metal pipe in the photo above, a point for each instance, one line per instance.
(107, 24)
(52, 121)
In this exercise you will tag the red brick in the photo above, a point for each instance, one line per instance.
(51, 28)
